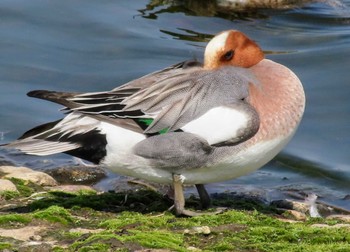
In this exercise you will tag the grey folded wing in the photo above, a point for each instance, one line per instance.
(171, 98)
(174, 150)
(179, 99)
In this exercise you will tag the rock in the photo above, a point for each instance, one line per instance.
(25, 173)
(331, 226)
(193, 249)
(152, 250)
(288, 220)
(291, 205)
(4, 162)
(341, 217)
(302, 207)
(71, 188)
(34, 246)
(198, 230)
(85, 230)
(251, 195)
(22, 234)
(295, 215)
(7, 185)
(86, 175)
(35, 238)
(7, 169)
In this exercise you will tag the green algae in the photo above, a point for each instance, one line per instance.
(134, 238)
(98, 242)
(24, 187)
(140, 201)
(242, 231)
(157, 239)
(5, 245)
(132, 219)
(58, 249)
(95, 247)
(13, 219)
(137, 221)
(7, 195)
(55, 214)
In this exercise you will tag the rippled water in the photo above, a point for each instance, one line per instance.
(97, 45)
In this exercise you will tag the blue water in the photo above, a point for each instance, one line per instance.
(98, 45)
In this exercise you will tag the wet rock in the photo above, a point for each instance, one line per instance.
(25, 173)
(7, 185)
(85, 175)
(303, 207)
(249, 196)
(291, 205)
(4, 162)
(346, 197)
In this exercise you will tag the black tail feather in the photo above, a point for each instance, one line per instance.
(53, 96)
(39, 129)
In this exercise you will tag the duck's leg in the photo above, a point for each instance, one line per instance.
(203, 196)
(179, 198)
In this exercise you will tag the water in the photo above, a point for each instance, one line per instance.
(98, 45)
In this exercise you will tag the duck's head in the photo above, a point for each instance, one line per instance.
(232, 48)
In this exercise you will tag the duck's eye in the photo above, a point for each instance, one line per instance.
(228, 56)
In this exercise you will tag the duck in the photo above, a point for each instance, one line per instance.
(191, 123)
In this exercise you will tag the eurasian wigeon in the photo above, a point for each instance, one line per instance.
(190, 123)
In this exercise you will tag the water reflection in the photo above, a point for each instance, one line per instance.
(189, 35)
(205, 8)
(245, 10)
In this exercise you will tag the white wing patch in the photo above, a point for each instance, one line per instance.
(218, 125)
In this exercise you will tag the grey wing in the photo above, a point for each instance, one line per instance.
(108, 106)
(116, 103)
(172, 98)
(188, 98)
(176, 96)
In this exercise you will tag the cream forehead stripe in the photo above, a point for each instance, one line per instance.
(217, 42)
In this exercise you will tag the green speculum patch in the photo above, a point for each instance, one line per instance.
(145, 122)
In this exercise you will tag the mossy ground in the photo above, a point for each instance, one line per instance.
(139, 220)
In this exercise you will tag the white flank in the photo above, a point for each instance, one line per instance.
(239, 164)
(121, 159)
(218, 125)
(120, 142)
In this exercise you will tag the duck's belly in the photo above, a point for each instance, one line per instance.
(239, 164)
(120, 159)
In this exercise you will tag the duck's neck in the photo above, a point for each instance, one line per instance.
(279, 100)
